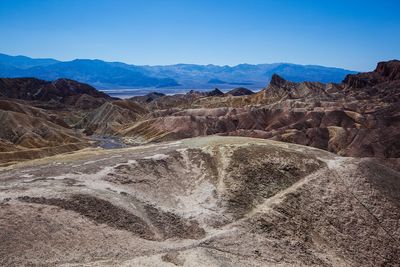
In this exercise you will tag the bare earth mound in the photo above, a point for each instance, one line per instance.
(210, 201)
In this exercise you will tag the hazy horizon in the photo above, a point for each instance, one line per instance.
(179, 63)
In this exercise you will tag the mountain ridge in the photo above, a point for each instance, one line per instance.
(103, 74)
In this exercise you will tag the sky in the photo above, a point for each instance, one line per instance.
(351, 34)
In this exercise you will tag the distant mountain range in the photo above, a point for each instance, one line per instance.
(113, 75)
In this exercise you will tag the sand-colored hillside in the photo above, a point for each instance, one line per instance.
(211, 201)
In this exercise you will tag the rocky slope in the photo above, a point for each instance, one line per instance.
(213, 201)
(29, 132)
(359, 117)
(240, 91)
(41, 118)
(148, 97)
(384, 72)
(111, 117)
(62, 90)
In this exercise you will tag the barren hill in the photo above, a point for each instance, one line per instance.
(359, 117)
(41, 118)
(213, 201)
(35, 89)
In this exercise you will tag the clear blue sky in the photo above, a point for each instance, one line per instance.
(350, 34)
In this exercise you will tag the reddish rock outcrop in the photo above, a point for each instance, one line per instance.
(359, 117)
